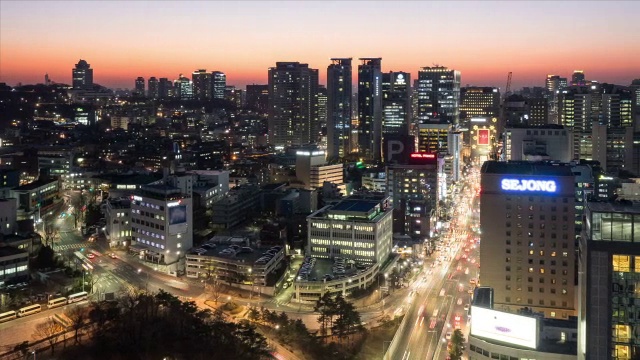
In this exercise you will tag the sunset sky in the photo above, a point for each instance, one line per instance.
(483, 39)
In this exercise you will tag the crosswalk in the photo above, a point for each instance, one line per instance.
(60, 247)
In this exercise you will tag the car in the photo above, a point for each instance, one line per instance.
(457, 318)
(91, 256)
(113, 256)
(466, 307)
(448, 336)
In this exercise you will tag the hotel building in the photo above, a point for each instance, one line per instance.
(528, 246)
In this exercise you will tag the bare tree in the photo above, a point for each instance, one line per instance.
(78, 316)
(51, 234)
(50, 331)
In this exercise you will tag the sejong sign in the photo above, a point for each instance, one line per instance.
(529, 185)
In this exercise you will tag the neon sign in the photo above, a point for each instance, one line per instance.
(423, 156)
(483, 137)
(529, 185)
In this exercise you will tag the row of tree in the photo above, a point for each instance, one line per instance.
(144, 325)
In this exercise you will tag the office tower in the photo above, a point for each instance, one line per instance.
(396, 103)
(139, 86)
(322, 105)
(576, 113)
(183, 88)
(413, 189)
(356, 228)
(433, 138)
(438, 95)
(608, 270)
(258, 97)
(235, 96)
(537, 111)
(202, 84)
(218, 84)
(293, 112)
(554, 85)
(538, 143)
(478, 102)
(528, 247)
(339, 112)
(577, 79)
(82, 76)
(164, 88)
(370, 108)
(152, 88)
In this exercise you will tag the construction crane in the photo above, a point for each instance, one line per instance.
(507, 90)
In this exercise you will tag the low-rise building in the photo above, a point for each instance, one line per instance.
(14, 265)
(118, 221)
(36, 198)
(235, 207)
(234, 263)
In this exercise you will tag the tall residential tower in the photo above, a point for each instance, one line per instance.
(339, 90)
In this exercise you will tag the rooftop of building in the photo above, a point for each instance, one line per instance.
(621, 206)
(131, 179)
(350, 205)
(9, 251)
(526, 168)
(536, 127)
(35, 184)
(246, 254)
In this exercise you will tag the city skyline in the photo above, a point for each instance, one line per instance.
(483, 40)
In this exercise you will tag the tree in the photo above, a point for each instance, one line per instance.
(78, 316)
(347, 318)
(45, 258)
(325, 306)
(253, 314)
(50, 235)
(50, 331)
(457, 345)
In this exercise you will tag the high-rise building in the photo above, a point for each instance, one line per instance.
(434, 138)
(139, 86)
(218, 84)
(258, 97)
(538, 143)
(607, 282)
(396, 103)
(528, 246)
(554, 85)
(413, 189)
(537, 111)
(165, 88)
(322, 105)
(183, 88)
(293, 112)
(82, 76)
(478, 102)
(370, 108)
(577, 79)
(339, 96)
(152, 91)
(438, 95)
(313, 171)
(202, 84)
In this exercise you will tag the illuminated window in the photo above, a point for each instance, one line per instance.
(621, 263)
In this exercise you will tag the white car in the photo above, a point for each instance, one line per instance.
(448, 336)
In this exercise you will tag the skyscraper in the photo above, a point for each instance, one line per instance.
(554, 84)
(152, 87)
(478, 102)
(577, 79)
(322, 105)
(438, 95)
(218, 84)
(201, 84)
(164, 88)
(258, 97)
(396, 103)
(82, 76)
(339, 94)
(183, 88)
(139, 86)
(370, 108)
(293, 111)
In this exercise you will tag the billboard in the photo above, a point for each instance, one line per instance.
(529, 185)
(504, 327)
(178, 214)
(418, 158)
(483, 136)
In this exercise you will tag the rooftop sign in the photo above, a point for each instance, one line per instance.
(529, 185)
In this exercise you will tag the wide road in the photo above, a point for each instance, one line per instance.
(440, 301)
